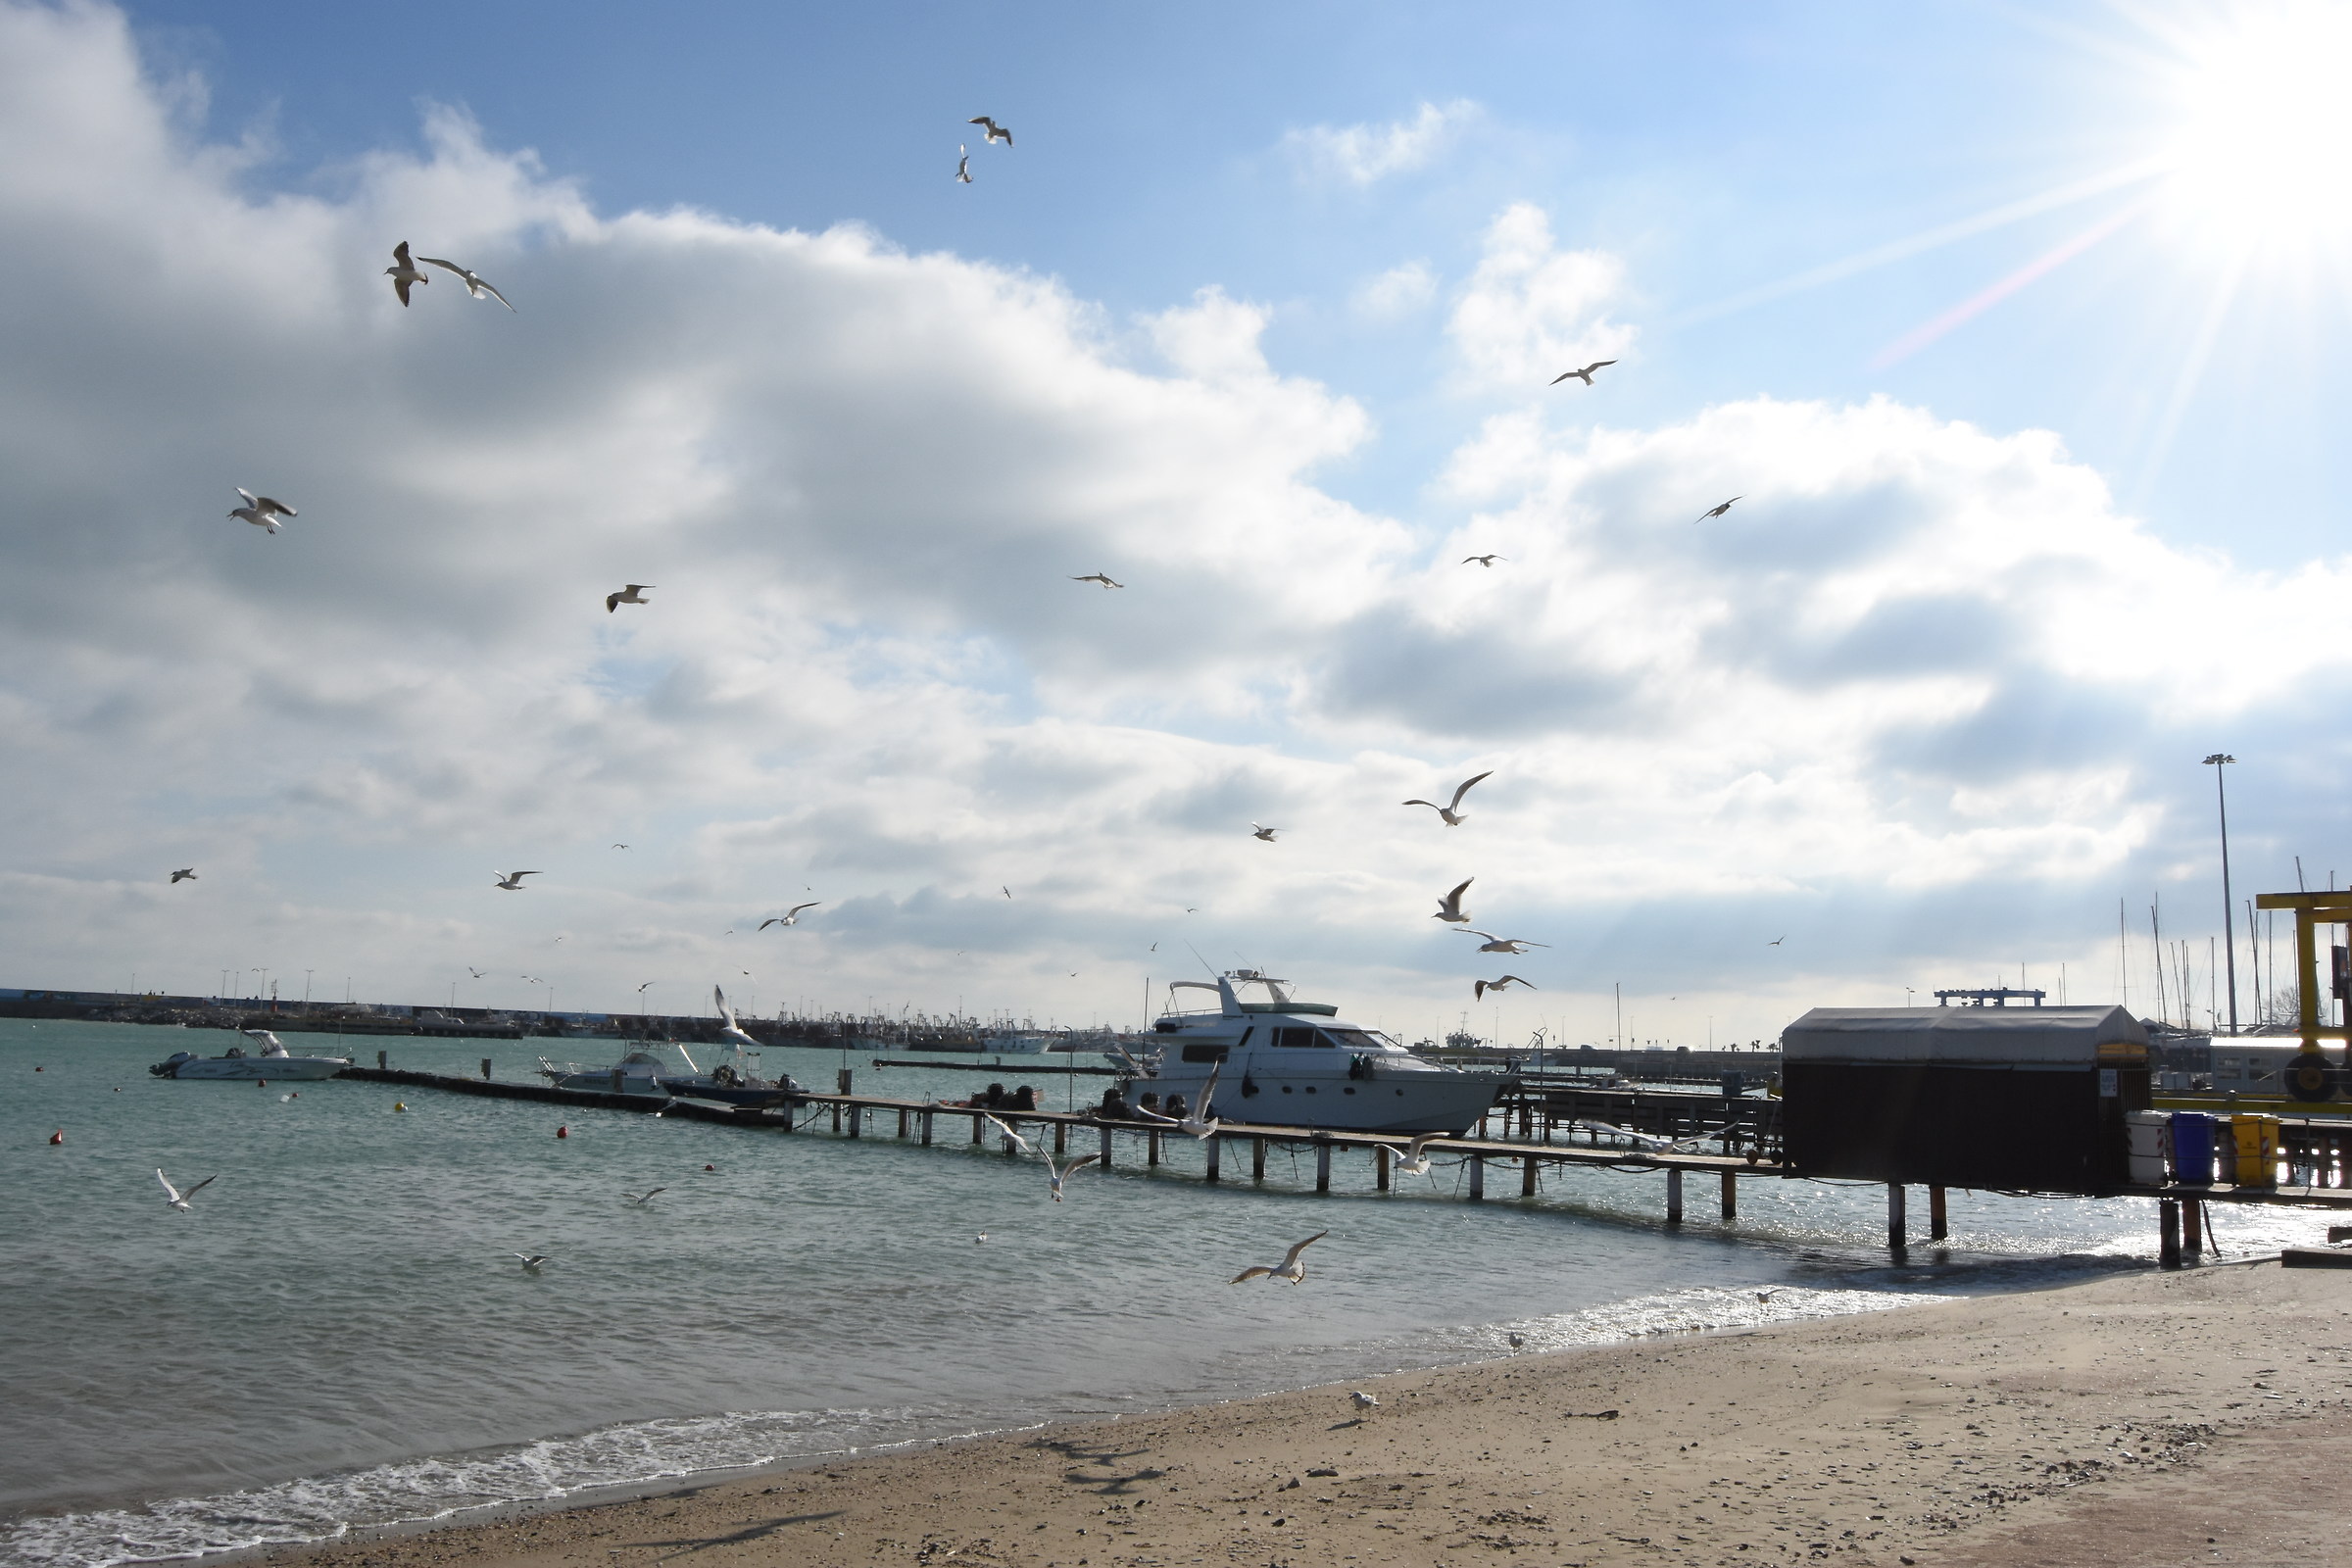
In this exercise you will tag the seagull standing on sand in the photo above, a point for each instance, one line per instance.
(511, 881)
(1452, 811)
(1100, 577)
(1363, 1400)
(1479, 988)
(1291, 1271)
(1586, 375)
(996, 133)
(173, 1197)
(1715, 511)
(1266, 833)
(402, 272)
(474, 284)
(188, 874)
(632, 594)
(1412, 1160)
(1449, 907)
(1487, 561)
(1054, 1177)
(734, 1030)
(964, 165)
(1514, 946)
(261, 511)
(791, 916)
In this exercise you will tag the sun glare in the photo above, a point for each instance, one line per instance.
(2263, 154)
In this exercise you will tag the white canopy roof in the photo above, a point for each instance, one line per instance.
(2043, 1037)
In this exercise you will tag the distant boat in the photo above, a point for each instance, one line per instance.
(640, 1072)
(273, 1061)
(735, 1082)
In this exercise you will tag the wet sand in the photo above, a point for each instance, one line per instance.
(2144, 1420)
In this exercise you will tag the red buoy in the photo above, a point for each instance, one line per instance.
(58, 1136)
(709, 1168)
(564, 1132)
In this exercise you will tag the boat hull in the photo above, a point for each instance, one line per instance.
(1283, 1097)
(727, 1093)
(246, 1069)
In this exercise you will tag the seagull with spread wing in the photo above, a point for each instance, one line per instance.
(1479, 988)
(1514, 946)
(261, 511)
(630, 594)
(475, 285)
(1412, 1160)
(185, 874)
(1487, 561)
(1452, 811)
(1714, 512)
(1290, 1271)
(1054, 1177)
(1101, 578)
(733, 1031)
(402, 272)
(791, 916)
(1016, 1140)
(964, 165)
(1266, 833)
(1586, 375)
(641, 1200)
(996, 133)
(1449, 907)
(173, 1197)
(511, 881)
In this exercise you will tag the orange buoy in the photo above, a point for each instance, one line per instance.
(564, 1132)
(58, 1136)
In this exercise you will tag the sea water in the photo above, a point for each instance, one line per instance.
(339, 1336)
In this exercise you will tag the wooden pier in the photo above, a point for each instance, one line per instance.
(926, 1122)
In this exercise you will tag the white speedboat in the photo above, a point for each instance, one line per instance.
(271, 1061)
(640, 1072)
(1290, 1063)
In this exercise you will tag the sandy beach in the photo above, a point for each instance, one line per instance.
(2143, 1419)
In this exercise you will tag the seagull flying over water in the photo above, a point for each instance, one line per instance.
(1586, 375)
(633, 594)
(1097, 576)
(511, 881)
(475, 286)
(1513, 946)
(1452, 811)
(1716, 511)
(996, 133)
(1266, 833)
(1291, 1271)
(733, 1031)
(1479, 988)
(964, 165)
(640, 1199)
(1487, 561)
(1054, 1177)
(1651, 1140)
(187, 874)
(173, 1197)
(530, 1260)
(1020, 1143)
(1412, 1160)
(261, 511)
(792, 917)
(402, 272)
(1449, 907)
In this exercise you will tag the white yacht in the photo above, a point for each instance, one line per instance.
(273, 1061)
(1290, 1063)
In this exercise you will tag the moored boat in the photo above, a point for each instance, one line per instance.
(273, 1061)
(639, 1073)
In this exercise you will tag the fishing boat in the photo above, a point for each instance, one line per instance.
(271, 1061)
(1294, 1064)
(735, 1082)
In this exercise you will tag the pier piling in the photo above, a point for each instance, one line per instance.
(1478, 1177)
(1061, 1138)
(1731, 1197)
(979, 1122)
(1152, 1148)
(926, 1126)
(1106, 1148)
(485, 1067)
(857, 1119)
(1257, 1159)
(1674, 1198)
(1938, 1228)
(1380, 1167)
(902, 1124)
(1212, 1144)
(1527, 1176)
(1322, 1166)
(2168, 1233)
(1899, 1227)
(2192, 1228)
(835, 1112)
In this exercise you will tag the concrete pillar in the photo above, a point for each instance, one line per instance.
(1898, 1225)
(1213, 1145)
(2168, 1233)
(1731, 1196)
(1380, 1167)
(1322, 1165)
(1674, 1198)
(1478, 1177)
(1937, 1227)
(1106, 1148)
(1257, 1159)
(2192, 1228)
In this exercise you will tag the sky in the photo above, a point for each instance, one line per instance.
(2011, 330)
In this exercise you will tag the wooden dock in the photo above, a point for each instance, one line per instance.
(926, 1122)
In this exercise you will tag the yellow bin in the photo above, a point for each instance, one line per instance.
(2254, 1142)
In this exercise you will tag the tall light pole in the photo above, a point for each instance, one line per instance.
(2216, 761)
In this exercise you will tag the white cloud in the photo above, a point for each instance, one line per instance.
(1918, 662)
(1397, 292)
(1530, 312)
(1363, 154)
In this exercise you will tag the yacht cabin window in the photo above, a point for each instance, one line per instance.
(1204, 1053)
(1298, 1035)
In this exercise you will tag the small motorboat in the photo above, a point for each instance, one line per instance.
(273, 1061)
(734, 1082)
(637, 1073)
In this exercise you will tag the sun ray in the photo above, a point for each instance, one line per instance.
(2057, 255)
(2217, 302)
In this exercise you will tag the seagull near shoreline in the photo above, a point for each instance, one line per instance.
(261, 511)
(1054, 1178)
(1450, 813)
(1015, 1139)
(530, 1260)
(173, 1197)
(641, 1200)
(1586, 375)
(1291, 1271)
(733, 1031)
(475, 285)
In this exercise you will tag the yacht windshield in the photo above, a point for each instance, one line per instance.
(1356, 1039)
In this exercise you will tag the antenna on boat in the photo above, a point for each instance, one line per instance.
(1206, 966)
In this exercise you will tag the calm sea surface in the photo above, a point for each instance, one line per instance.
(337, 1335)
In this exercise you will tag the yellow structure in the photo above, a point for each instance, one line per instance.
(2310, 1078)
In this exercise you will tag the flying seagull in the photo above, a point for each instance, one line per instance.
(185, 874)
(1715, 511)
(641, 990)
(1021, 1144)
(964, 165)
(1480, 989)
(1449, 907)
(996, 133)
(1266, 833)
(1649, 1141)
(1097, 576)
(640, 1199)
(1513, 946)
(733, 1031)
(1776, 942)
(1291, 1271)
(1007, 892)
(1452, 811)
(475, 285)
(261, 511)
(402, 272)
(1412, 1160)
(1054, 1177)
(530, 1260)
(173, 1197)
(792, 917)
(1487, 561)
(617, 845)
(633, 594)
(477, 973)
(511, 881)
(1586, 375)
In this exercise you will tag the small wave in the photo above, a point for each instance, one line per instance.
(421, 1490)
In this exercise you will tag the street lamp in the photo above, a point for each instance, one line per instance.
(2221, 795)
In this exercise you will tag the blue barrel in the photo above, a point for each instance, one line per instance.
(2192, 1147)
